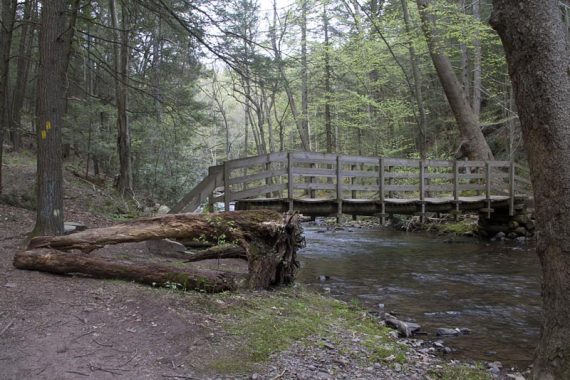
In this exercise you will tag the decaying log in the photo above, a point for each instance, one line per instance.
(239, 227)
(58, 262)
(266, 239)
(226, 251)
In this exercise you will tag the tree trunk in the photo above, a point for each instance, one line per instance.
(8, 14)
(476, 98)
(464, 62)
(474, 144)
(55, 46)
(417, 83)
(22, 71)
(57, 262)
(304, 79)
(268, 241)
(328, 74)
(121, 65)
(303, 133)
(541, 85)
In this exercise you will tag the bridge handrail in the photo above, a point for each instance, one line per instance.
(282, 174)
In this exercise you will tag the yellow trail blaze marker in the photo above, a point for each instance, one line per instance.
(48, 125)
(43, 134)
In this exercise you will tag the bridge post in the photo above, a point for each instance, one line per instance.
(338, 188)
(312, 192)
(227, 190)
(488, 188)
(381, 191)
(353, 193)
(269, 180)
(290, 180)
(422, 190)
(512, 188)
(456, 188)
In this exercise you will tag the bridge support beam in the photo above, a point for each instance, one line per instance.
(338, 188)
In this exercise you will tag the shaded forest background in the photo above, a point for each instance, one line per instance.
(157, 91)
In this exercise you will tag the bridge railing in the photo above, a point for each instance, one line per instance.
(345, 178)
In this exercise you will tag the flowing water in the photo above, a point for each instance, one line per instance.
(491, 288)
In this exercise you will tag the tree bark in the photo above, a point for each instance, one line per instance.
(56, 35)
(57, 262)
(474, 144)
(538, 58)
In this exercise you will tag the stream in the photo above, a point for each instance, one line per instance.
(491, 288)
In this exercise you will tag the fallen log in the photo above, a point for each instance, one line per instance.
(58, 262)
(268, 241)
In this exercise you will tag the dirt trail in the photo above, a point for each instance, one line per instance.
(65, 328)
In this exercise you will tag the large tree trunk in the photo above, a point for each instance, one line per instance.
(121, 65)
(22, 68)
(267, 241)
(275, 44)
(7, 16)
(55, 46)
(417, 84)
(538, 58)
(304, 80)
(328, 93)
(476, 98)
(474, 144)
(464, 61)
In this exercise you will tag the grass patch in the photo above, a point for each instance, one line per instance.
(269, 322)
(457, 228)
(463, 372)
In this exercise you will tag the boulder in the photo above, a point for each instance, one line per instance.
(406, 329)
(72, 227)
(521, 218)
(452, 332)
(500, 236)
(163, 210)
(513, 224)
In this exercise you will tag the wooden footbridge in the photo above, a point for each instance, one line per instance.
(322, 184)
